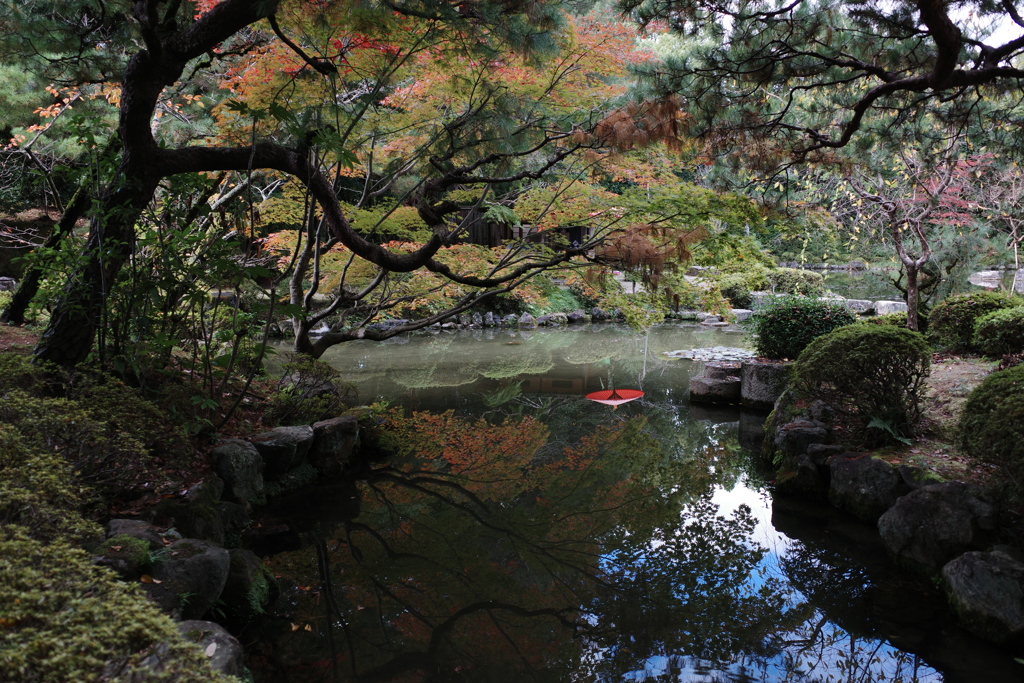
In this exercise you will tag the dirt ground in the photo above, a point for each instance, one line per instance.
(951, 381)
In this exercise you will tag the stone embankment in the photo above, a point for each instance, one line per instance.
(195, 555)
(951, 531)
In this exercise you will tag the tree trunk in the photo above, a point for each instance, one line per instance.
(68, 338)
(913, 296)
(14, 314)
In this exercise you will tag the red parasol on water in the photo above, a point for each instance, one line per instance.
(615, 397)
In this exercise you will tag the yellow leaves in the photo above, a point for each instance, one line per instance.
(112, 94)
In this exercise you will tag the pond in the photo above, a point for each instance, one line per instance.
(877, 284)
(522, 532)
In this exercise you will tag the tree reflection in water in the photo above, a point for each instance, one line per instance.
(482, 552)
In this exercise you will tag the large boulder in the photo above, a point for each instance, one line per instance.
(136, 528)
(558, 318)
(197, 514)
(282, 448)
(334, 442)
(793, 438)
(192, 518)
(887, 307)
(863, 485)
(240, 465)
(577, 316)
(526, 320)
(224, 651)
(715, 390)
(987, 592)
(189, 580)
(250, 587)
(804, 480)
(928, 527)
(763, 383)
(860, 306)
(234, 518)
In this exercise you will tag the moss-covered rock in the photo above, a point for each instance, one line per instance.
(250, 588)
(291, 480)
(193, 518)
(126, 555)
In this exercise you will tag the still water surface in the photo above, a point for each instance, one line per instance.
(521, 532)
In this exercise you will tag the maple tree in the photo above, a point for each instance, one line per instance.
(913, 199)
(335, 50)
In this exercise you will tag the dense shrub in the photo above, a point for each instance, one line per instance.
(794, 281)
(735, 289)
(952, 321)
(1000, 333)
(789, 324)
(872, 377)
(63, 617)
(66, 619)
(897, 320)
(992, 423)
(309, 390)
(101, 428)
(736, 285)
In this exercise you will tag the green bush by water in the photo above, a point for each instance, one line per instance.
(795, 281)
(737, 286)
(951, 323)
(872, 376)
(790, 323)
(1000, 333)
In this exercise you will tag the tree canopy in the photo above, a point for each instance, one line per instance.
(801, 78)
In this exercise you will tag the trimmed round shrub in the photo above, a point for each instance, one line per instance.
(734, 287)
(1000, 333)
(789, 323)
(872, 376)
(795, 281)
(897, 320)
(992, 423)
(951, 324)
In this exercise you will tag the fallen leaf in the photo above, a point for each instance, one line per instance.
(309, 628)
(146, 578)
(295, 627)
(210, 649)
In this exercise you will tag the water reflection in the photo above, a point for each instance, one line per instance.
(522, 532)
(440, 370)
(489, 551)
